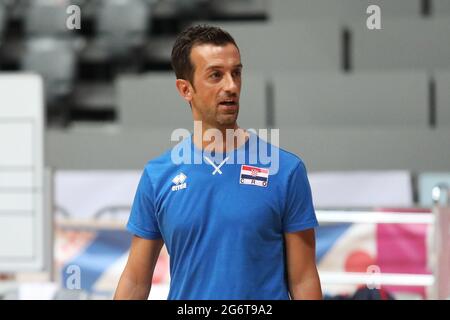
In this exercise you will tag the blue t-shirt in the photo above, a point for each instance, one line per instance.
(224, 224)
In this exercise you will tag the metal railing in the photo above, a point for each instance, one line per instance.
(439, 281)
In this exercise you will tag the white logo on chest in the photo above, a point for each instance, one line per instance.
(216, 168)
(179, 182)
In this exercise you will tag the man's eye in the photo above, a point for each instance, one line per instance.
(237, 73)
(215, 75)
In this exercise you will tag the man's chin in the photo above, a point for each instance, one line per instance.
(228, 120)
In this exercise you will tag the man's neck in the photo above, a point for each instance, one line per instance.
(220, 139)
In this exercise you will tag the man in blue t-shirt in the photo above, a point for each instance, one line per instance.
(235, 226)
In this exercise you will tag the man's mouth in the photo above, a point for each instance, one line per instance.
(230, 104)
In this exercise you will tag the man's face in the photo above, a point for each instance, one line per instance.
(216, 84)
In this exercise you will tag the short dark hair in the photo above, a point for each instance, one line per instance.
(190, 37)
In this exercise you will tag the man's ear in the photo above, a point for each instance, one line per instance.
(185, 89)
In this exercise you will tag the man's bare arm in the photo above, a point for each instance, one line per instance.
(136, 280)
(303, 278)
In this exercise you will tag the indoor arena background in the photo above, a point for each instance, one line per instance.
(360, 89)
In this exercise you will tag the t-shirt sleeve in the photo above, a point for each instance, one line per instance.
(299, 213)
(142, 221)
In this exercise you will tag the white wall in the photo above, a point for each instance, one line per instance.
(21, 173)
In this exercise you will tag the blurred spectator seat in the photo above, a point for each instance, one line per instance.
(239, 8)
(179, 9)
(17, 8)
(352, 100)
(288, 45)
(342, 10)
(402, 44)
(55, 61)
(121, 26)
(158, 50)
(95, 96)
(47, 18)
(153, 101)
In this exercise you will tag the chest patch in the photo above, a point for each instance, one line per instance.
(254, 176)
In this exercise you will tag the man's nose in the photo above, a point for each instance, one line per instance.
(230, 84)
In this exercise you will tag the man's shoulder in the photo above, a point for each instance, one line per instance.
(288, 161)
(164, 162)
(291, 158)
